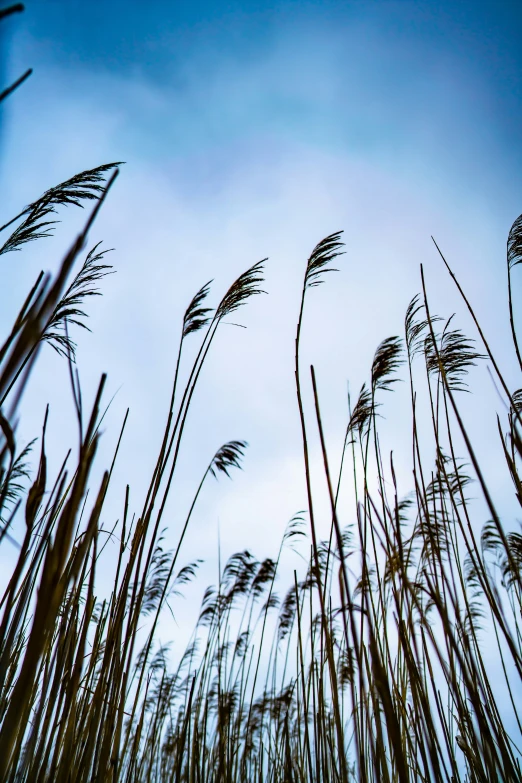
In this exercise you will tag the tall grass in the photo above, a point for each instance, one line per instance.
(397, 657)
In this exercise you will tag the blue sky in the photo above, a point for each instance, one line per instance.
(253, 130)
(393, 62)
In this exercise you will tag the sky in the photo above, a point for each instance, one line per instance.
(253, 130)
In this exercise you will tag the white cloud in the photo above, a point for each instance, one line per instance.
(177, 223)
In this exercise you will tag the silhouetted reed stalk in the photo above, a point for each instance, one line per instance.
(397, 656)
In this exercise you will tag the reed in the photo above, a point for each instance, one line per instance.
(397, 656)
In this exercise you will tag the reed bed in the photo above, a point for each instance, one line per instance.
(396, 656)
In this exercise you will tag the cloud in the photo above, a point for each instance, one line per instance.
(233, 166)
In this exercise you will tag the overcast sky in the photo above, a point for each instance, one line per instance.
(252, 130)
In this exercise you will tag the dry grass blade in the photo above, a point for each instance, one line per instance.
(87, 186)
(324, 252)
(196, 317)
(241, 290)
(68, 310)
(227, 457)
(386, 362)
